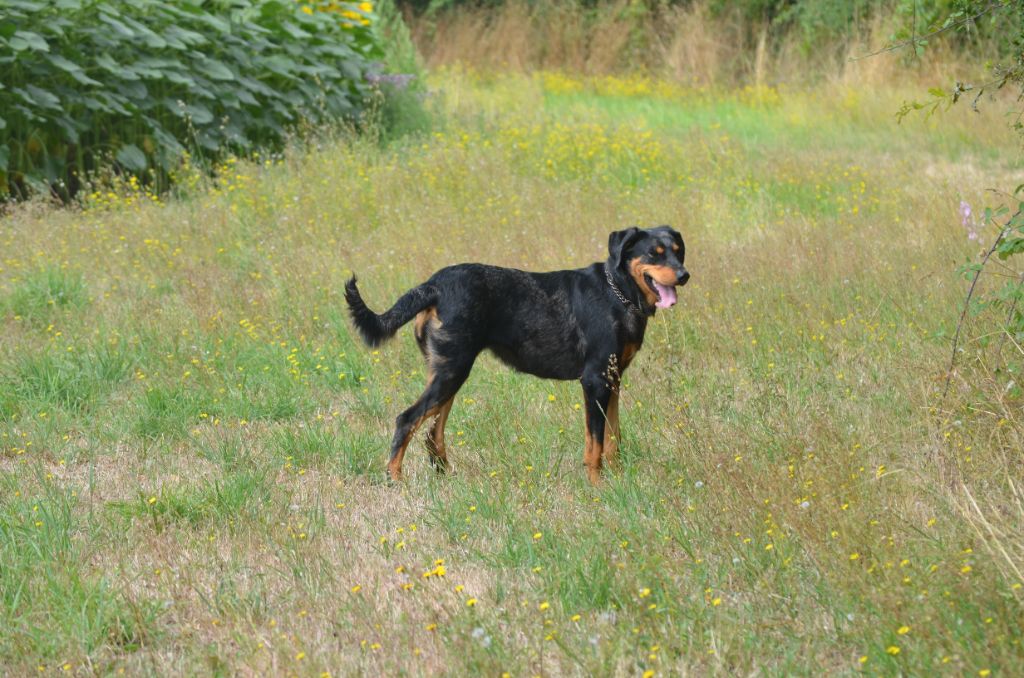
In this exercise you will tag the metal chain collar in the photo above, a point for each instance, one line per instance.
(633, 308)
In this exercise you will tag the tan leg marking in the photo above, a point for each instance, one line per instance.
(427, 315)
(629, 352)
(435, 439)
(395, 465)
(592, 453)
(612, 431)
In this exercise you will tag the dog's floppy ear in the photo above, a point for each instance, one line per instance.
(619, 242)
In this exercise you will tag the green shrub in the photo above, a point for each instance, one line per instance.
(137, 83)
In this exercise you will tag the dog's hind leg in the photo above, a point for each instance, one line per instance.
(432, 340)
(435, 438)
(442, 385)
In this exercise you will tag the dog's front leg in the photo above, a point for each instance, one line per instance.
(611, 432)
(597, 393)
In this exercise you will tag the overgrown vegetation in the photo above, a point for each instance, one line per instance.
(191, 447)
(88, 83)
(1007, 243)
(192, 439)
(705, 42)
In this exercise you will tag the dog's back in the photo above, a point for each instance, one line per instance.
(527, 319)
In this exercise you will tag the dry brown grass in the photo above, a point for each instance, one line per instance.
(689, 44)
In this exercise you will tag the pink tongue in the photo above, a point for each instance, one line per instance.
(667, 295)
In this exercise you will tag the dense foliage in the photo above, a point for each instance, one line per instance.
(141, 82)
(964, 17)
(818, 24)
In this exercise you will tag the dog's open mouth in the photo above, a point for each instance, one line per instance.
(666, 293)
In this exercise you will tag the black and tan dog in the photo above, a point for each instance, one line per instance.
(584, 324)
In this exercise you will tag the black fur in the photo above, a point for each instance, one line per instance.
(376, 329)
(557, 325)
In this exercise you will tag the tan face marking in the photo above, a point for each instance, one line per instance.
(675, 248)
(659, 249)
(663, 274)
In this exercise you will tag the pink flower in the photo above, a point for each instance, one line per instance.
(967, 221)
(965, 213)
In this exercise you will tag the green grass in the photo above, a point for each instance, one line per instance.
(50, 597)
(768, 121)
(62, 380)
(192, 446)
(220, 501)
(41, 295)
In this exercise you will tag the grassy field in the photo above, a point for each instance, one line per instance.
(192, 441)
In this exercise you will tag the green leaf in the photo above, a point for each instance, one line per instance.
(131, 157)
(4, 155)
(94, 104)
(32, 41)
(69, 127)
(115, 102)
(257, 87)
(245, 97)
(1008, 248)
(216, 69)
(279, 64)
(62, 63)
(107, 63)
(176, 35)
(71, 68)
(295, 31)
(201, 115)
(164, 138)
(119, 28)
(215, 22)
(38, 97)
(1017, 223)
(84, 79)
(151, 39)
(180, 78)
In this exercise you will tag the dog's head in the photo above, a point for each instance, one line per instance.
(653, 259)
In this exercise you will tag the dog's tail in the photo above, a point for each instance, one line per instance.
(376, 329)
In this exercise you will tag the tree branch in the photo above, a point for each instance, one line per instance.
(970, 293)
(914, 39)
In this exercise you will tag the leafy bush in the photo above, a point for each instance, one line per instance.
(139, 82)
